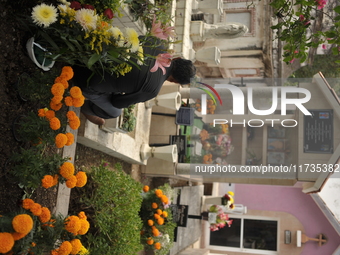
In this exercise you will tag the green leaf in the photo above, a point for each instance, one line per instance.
(337, 9)
(92, 60)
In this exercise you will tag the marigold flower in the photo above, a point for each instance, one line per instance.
(158, 192)
(54, 252)
(22, 223)
(165, 214)
(76, 246)
(82, 215)
(78, 102)
(45, 215)
(55, 106)
(84, 227)
(159, 211)
(72, 224)
(68, 101)
(75, 123)
(71, 115)
(65, 248)
(47, 181)
(154, 205)
(150, 241)
(71, 182)
(70, 139)
(160, 221)
(6, 242)
(50, 114)
(35, 209)
(150, 222)
(155, 232)
(60, 140)
(164, 199)
(62, 80)
(146, 188)
(54, 123)
(57, 89)
(156, 216)
(55, 179)
(67, 72)
(57, 99)
(75, 92)
(26, 203)
(17, 236)
(157, 246)
(66, 170)
(41, 112)
(81, 179)
(44, 15)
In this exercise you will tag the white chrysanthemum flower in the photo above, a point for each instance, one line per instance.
(132, 40)
(62, 8)
(87, 19)
(140, 56)
(44, 15)
(65, 2)
(117, 34)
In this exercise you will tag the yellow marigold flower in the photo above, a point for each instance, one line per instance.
(81, 179)
(55, 106)
(41, 112)
(146, 188)
(149, 241)
(60, 140)
(78, 102)
(45, 215)
(70, 139)
(67, 72)
(158, 192)
(76, 246)
(55, 179)
(71, 115)
(84, 227)
(6, 242)
(65, 248)
(160, 221)
(157, 246)
(82, 215)
(71, 182)
(75, 92)
(150, 222)
(50, 114)
(26, 203)
(66, 170)
(54, 123)
(156, 216)
(35, 209)
(72, 224)
(57, 99)
(165, 214)
(132, 40)
(164, 199)
(68, 101)
(44, 15)
(22, 223)
(154, 205)
(61, 79)
(17, 236)
(75, 123)
(57, 89)
(47, 181)
(159, 211)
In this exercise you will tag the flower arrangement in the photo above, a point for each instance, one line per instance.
(220, 219)
(158, 228)
(228, 200)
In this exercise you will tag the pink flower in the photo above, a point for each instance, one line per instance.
(292, 60)
(229, 222)
(162, 60)
(156, 29)
(321, 3)
(108, 13)
(301, 17)
(169, 31)
(324, 46)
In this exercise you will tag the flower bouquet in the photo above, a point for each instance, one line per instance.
(228, 200)
(217, 218)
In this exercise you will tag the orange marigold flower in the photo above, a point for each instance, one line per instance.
(6, 242)
(165, 214)
(55, 179)
(155, 232)
(154, 205)
(71, 115)
(150, 222)
(75, 123)
(160, 221)
(158, 192)
(159, 211)
(65, 248)
(156, 216)
(76, 246)
(66, 170)
(45, 215)
(157, 246)
(22, 223)
(60, 140)
(67, 72)
(17, 236)
(68, 101)
(50, 114)
(75, 92)
(57, 99)
(149, 241)
(54, 123)
(84, 227)
(54, 252)
(71, 182)
(41, 112)
(82, 215)
(57, 89)
(35, 209)
(78, 102)
(72, 224)
(55, 106)
(81, 179)
(26, 203)
(164, 199)
(146, 188)
(61, 79)
(70, 139)
(47, 181)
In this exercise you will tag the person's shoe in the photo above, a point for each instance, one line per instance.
(95, 119)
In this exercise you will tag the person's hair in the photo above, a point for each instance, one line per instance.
(183, 70)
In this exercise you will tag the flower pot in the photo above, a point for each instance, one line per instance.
(37, 54)
(170, 101)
